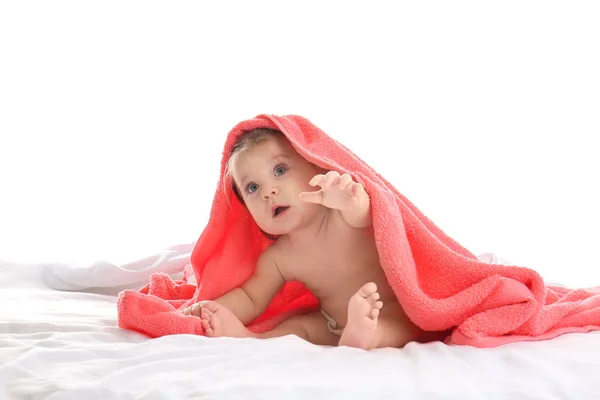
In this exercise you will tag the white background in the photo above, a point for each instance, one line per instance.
(485, 114)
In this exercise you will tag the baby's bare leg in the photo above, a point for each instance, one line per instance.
(218, 321)
(395, 328)
(372, 326)
(310, 327)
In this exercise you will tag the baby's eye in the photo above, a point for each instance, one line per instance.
(252, 187)
(280, 170)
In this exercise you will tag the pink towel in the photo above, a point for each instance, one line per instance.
(440, 284)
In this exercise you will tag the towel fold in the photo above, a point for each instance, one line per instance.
(440, 284)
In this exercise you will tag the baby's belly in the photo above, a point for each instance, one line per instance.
(335, 292)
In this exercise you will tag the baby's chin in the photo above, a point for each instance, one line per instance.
(280, 230)
(274, 232)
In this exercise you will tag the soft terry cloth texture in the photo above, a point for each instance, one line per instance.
(441, 285)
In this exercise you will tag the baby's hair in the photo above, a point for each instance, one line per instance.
(245, 142)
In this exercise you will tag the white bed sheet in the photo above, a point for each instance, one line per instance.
(66, 345)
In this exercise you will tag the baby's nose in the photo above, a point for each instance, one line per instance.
(270, 191)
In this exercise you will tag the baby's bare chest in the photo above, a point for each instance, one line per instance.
(336, 258)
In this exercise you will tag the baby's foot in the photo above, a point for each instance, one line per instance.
(363, 310)
(218, 320)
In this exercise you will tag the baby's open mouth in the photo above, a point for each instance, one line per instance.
(279, 209)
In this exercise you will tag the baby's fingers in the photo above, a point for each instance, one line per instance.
(345, 182)
(312, 197)
(317, 180)
(331, 179)
(357, 188)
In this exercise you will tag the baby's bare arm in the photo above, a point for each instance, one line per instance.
(359, 214)
(251, 299)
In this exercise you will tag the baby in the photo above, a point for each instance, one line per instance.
(324, 240)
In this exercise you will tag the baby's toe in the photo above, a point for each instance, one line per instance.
(208, 330)
(215, 323)
(368, 289)
(196, 310)
(374, 313)
(205, 313)
(210, 306)
(205, 324)
(373, 298)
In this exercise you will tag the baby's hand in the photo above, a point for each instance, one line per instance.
(337, 192)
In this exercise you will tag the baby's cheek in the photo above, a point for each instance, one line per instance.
(255, 214)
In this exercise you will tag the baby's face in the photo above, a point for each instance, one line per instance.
(270, 178)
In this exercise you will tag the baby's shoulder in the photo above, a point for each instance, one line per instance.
(270, 253)
(278, 252)
(281, 256)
